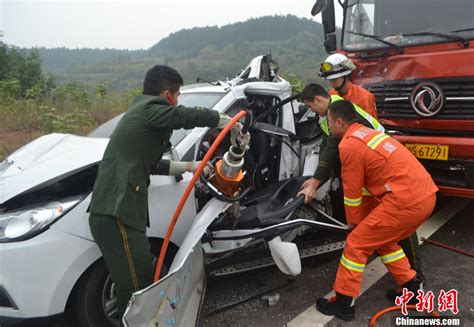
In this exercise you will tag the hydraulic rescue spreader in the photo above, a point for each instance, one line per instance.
(229, 172)
(196, 175)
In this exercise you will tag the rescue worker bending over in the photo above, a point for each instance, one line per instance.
(318, 100)
(373, 160)
(336, 69)
(316, 97)
(119, 205)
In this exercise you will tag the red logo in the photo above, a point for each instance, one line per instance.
(403, 300)
(425, 301)
(448, 301)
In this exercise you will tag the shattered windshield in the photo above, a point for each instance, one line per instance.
(406, 22)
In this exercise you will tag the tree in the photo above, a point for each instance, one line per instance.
(30, 73)
(22, 66)
(297, 84)
(101, 91)
(24, 115)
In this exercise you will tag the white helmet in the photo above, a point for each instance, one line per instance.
(336, 65)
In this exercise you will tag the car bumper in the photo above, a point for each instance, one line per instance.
(455, 176)
(38, 274)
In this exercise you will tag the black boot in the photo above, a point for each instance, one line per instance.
(413, 285)
(341, 306)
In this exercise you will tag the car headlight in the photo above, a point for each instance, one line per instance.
(24, 223)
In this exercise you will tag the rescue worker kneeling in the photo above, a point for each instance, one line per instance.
(407, 196)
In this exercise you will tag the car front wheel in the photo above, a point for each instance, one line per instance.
(94, 301)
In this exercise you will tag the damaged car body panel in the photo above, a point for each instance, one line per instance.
(176, 299)
(45, 159)
(54, 176)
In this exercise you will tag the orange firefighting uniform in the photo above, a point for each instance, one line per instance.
(360, 96)
(406, 192)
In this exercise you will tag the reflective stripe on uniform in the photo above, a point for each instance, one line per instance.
(376, 140)
(366, 192)
(373, 122)
(352, 202)
(351, 265)
(324, 125)
(335, 97)
(394, 256)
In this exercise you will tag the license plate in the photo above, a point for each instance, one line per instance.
(429, 151)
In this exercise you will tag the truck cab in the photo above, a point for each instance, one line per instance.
(417, 58)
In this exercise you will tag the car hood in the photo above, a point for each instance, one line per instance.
(45, 159)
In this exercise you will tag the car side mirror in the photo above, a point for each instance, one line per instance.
(329, 18)
(286, 256)
(318, 7)
(330, 43)
(326, 7)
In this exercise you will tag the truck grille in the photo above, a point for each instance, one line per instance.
(393, 98)
(453, 173)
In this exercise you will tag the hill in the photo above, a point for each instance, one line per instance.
(211, 52)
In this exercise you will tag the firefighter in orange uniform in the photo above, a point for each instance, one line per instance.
(407, 195)
(336, 69)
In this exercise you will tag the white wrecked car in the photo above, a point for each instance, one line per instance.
(48, 258)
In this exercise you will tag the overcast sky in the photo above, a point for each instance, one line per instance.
(128, 24)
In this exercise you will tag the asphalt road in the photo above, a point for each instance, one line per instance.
(237, 300)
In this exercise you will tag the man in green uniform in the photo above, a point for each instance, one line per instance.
(318, 99)
(119, 205)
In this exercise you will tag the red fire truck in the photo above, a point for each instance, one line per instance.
(417, 58)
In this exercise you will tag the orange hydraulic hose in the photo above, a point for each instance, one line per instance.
(394, 308)
(188, 190)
